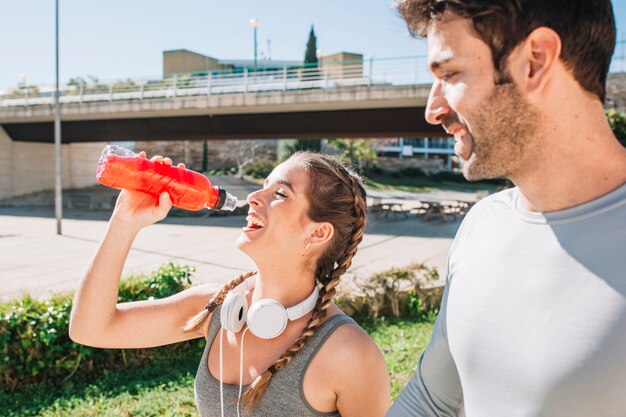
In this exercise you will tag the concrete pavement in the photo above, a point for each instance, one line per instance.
(34, 260)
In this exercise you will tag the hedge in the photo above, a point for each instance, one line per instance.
(36, 346)
(34, 334)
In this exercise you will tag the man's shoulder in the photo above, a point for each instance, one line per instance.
(505, 198)
(502, 200)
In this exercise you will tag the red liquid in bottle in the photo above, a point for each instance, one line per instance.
(188, 190)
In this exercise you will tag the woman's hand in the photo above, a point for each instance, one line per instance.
(136, 210)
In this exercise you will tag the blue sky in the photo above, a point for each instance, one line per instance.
(118, 39)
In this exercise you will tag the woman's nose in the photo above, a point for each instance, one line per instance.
(254, 198)
(437, 107)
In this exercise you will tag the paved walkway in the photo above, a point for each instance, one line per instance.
(33, 259)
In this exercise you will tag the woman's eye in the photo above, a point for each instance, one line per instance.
(278, 193)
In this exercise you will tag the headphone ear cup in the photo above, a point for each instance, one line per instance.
(267, 318)
(234, 312)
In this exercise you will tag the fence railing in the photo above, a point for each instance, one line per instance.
(330, 75)
(394, 71)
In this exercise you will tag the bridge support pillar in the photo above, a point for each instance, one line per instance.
(6, 165)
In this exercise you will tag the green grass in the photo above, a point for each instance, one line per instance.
(402, 343)
(153, 390)
(418, 185)
(166, 389)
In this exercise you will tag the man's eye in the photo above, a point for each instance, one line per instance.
(278, 193)
(446, 76)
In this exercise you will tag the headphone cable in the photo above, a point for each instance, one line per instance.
(222, 370)
(241, 369)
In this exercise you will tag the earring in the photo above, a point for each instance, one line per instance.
(308, 245)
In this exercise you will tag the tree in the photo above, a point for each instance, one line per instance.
(288, 147)
(617, 121)
(314, 145)
(358, 152)
(245, 152)
(310, 55)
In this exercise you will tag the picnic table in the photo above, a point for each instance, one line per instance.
(434, 210)
(380, 208)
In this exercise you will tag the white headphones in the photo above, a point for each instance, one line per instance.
(266, 318)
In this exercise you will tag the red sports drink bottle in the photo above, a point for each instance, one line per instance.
(123, 169)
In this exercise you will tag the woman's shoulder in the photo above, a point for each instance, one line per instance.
(349, 343)
(354, 368)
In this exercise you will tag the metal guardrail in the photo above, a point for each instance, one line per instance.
(394, 71)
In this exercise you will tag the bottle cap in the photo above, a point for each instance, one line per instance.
(225, 201)
(230, 203)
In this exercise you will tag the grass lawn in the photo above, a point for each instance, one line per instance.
(167, 390)
(418, 185)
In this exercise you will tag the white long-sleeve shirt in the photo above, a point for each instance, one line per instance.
(533, 319)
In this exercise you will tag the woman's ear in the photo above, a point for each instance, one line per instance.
(538, 56)
(322, 233)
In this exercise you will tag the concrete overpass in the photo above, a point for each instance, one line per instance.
(352, 111)
(383, 99)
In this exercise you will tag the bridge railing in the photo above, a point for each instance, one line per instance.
(329, 75)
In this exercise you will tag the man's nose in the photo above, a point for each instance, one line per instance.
(437, 106)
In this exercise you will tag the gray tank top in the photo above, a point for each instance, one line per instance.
(284, 395)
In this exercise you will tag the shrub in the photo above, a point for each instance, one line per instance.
(398, 292)
(36, 345)
(617, 121)
(413, 172)
(259, 169)
(448, 176)
(222, 171)
(376, 170)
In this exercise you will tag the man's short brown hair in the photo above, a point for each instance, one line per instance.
(586, 28)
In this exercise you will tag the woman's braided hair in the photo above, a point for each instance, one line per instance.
(335, 196)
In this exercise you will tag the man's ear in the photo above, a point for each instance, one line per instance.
(322, 233)
(537, 59)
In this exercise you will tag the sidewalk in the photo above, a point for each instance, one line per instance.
(35, 260)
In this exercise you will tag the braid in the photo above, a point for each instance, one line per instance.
(360, 209)
(255, 391)
(218, 298)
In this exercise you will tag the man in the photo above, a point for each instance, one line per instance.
(533, 319)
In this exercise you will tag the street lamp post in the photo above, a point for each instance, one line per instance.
(255, 24)
(58, 204)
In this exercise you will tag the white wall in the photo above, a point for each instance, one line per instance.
(27, 167)
(84, 160)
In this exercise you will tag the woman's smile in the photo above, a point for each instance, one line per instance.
(254, 223)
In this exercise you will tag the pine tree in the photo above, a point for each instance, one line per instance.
(310, 56)
(310, 62)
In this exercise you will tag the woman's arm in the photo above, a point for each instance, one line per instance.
(97, 319)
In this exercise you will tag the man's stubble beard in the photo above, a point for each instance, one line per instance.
(504, 135)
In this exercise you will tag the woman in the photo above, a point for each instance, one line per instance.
(302, 231)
